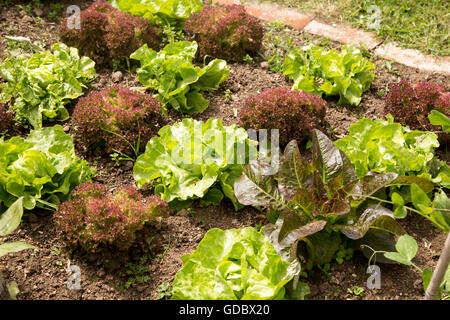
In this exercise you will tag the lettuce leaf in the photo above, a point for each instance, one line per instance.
(194, 160)
(42, 168)
(178, 82)
(42, 84)
(235, 264)
(316, 70)
(174, 12)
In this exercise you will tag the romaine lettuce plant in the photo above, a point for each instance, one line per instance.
(194, 160)
(316, 70)
(41, 85)
(42, 168)
(177, 81)
(386, 146)
(173, 12)
(319, 200)
(235, 264)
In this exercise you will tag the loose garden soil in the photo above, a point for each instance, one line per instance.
(42, 274)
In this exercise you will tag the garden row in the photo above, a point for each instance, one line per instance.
(357, 187)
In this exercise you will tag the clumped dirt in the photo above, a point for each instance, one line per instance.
(42, 274)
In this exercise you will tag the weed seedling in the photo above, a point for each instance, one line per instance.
(164, 291)
(357, 291)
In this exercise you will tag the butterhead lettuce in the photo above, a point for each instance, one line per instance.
(235, 264)
(194, 160)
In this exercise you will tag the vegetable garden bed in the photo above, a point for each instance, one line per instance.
(147, 268)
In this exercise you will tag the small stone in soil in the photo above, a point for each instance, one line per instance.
(117, 76)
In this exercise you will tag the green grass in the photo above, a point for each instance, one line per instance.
(417, 24)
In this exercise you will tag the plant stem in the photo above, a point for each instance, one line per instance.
(439, 273)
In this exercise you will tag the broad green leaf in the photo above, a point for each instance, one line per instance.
(399, 209)
(427, 274)
(439, 119)
(174, 12)
(406, 248)
(423, 183)
(378, 240)
(11, 247)
(419, 197)
(11, 219)
(397, 257)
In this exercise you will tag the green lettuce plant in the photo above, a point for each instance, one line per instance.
(235, 264)
(165, 12)
(317, 70)
(386, 146)
(176, 80)
(194, 160)
(318, 201)
(41, 168)
(42, 84)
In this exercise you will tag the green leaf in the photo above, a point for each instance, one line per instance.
(407, 246)
(397, 257)
(11, 247)
(427, 274)
(439, 119)
(406, 250)
(419, 198)
(11, 219)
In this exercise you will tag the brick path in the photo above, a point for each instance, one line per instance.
(345, 34)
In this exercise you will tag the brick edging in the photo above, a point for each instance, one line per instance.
(345, 34)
